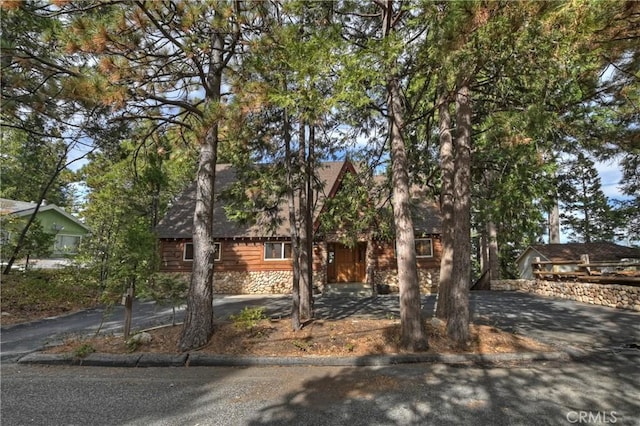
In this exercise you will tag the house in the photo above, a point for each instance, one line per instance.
(67, 229)
(572, 252)
(256, 259)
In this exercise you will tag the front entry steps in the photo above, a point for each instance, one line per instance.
(347, 290)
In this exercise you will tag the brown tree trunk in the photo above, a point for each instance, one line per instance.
(458, 320)
(309, 215)
(305, 205)
(492, 251)
(413, 336)
(293, 225)
(554, 222)
(198, 322)
(489, 261)
(447, 168)
(371, 266)
(484, 251)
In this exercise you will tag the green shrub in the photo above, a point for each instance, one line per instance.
(84, 350)
(132, 345)
(248, 318)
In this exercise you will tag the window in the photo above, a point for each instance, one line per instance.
(424, 247)
(188, 251)
(277, 251)
(67, 244)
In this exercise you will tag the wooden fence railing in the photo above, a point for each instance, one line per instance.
(627, 273)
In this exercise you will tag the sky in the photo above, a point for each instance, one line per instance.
(610, 175)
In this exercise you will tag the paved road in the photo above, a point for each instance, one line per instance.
(603, 390)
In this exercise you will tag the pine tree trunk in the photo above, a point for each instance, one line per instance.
(458, 320)
(493, 252)
(309, 215)
(484, 250)
(447, 167)
(305, 253)
(554, 222)
(412, 333)
(371, 266)
(293, 225)
(198, 322)
(413, 336)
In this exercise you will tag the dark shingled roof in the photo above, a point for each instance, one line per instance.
(426, 213)
(178, 222)
(598, 252)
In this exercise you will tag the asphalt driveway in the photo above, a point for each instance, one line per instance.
(564, 324)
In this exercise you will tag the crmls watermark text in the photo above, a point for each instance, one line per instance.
(599, 417)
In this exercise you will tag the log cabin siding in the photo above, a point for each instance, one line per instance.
(243, 255)
(386, 258)
(236, 256)
(171, 256)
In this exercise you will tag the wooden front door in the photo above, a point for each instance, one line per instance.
(346, 264)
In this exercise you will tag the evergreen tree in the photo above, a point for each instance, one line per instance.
(128, 190)
(586, 215)
(27, 164)
(629, 209)
(43, 102)
(168, 62)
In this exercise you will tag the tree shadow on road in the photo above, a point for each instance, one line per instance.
(440, 394)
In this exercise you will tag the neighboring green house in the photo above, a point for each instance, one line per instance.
(66, 230)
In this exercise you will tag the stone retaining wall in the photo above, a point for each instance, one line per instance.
(612, 295)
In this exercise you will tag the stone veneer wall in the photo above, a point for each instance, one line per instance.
(612, 295)
(264, 282)
(428, 280)
(279, 282)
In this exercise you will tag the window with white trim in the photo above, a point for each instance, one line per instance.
(424, 247)
(277, 251)
(188, 252)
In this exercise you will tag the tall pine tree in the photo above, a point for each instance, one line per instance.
(587, 216)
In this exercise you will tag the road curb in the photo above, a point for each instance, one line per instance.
(110, 360)
(163, 360)
(48, 359)
(196, 359)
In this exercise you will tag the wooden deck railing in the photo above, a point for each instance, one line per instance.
(626, 273)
